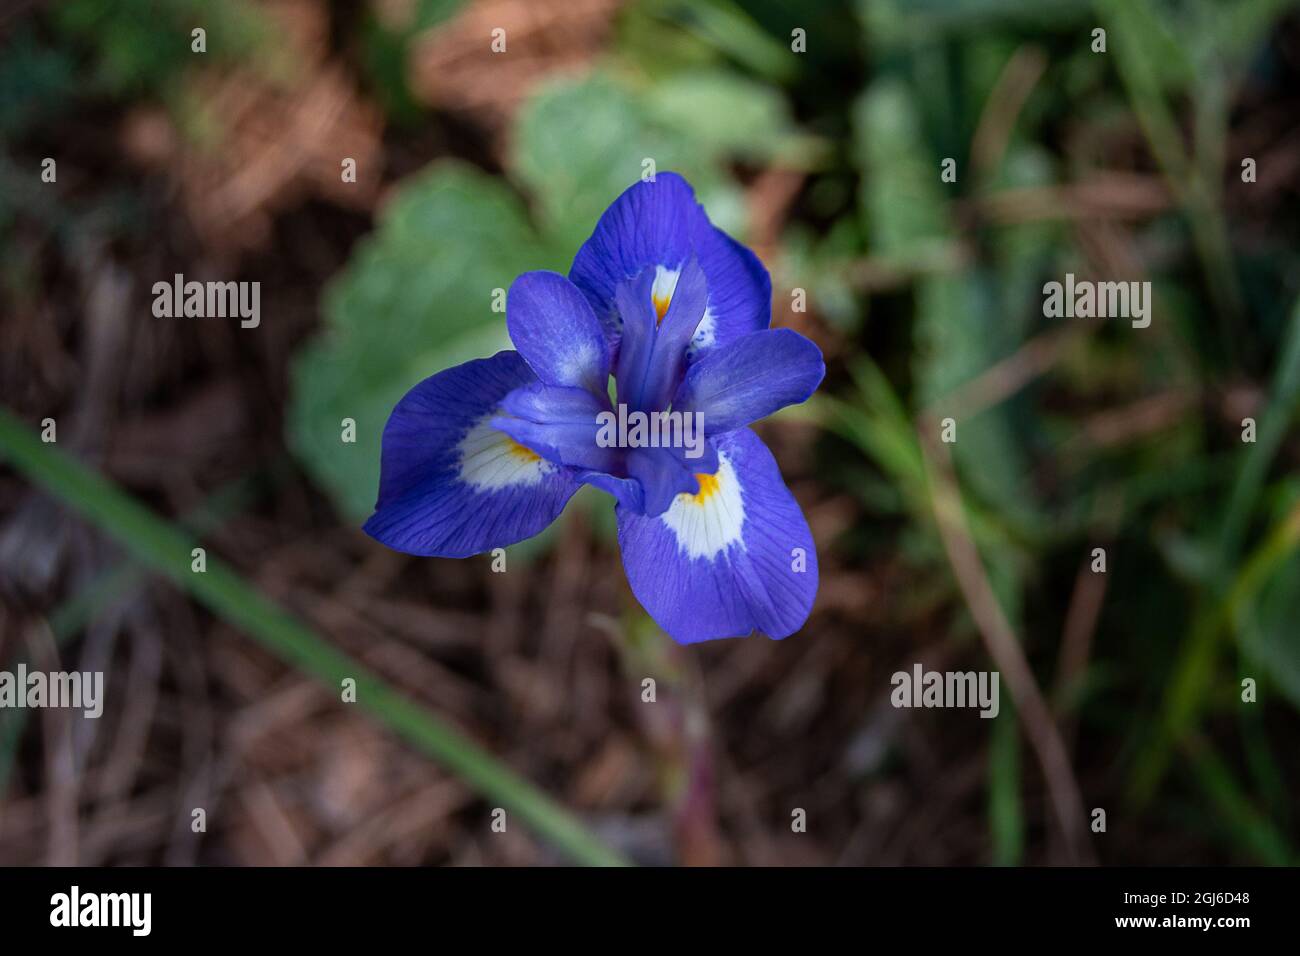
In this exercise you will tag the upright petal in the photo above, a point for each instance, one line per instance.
(676, 328)
(657, 226)
(734, 557)
(750, 379)
(556, 332)
(651, 363)
(639, 330)
(450, 484)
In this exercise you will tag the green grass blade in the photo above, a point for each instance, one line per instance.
(163, 548)
(1249, 829)
(728, 27)
(1006, 813)
(1194, 669)
(1273, 427)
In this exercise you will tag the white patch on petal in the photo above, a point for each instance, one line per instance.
(661, 296)
(491, 460)
(709, 522)
(704, 333)
(661, 293)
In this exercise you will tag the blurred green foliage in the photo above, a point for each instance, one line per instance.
(34, 79)
(385, 48)
(139, 48)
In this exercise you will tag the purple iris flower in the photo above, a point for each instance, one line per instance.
(485, 454)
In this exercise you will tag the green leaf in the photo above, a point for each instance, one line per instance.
(729, 116)
(580, 143)
(819, 260)
(901, 205)
(142, 47)
(1246, 828)
(385, 48)
(727, 26)
(959, 327)
(1268, 629)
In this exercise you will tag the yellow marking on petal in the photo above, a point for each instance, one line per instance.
(491, 460)
(709, 486)
(661, 291)
(661, 306)
(516, 450)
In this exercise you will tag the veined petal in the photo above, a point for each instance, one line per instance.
(560, 424)
(734, 557)
(750, 379)
(450, 484)
(554, 329)
(657, 226)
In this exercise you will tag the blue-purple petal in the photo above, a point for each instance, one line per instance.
(626, 491)
(736, 558)
(450, 484)
(560, 424)
(554, 329)
(662, 476)
(648, 225)
(740, 289)
(750, 379)
(657, 226)
(650, 365)
(638, 342)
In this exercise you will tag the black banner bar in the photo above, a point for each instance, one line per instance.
(332, 906)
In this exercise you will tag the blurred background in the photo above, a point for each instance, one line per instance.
(816, 132)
